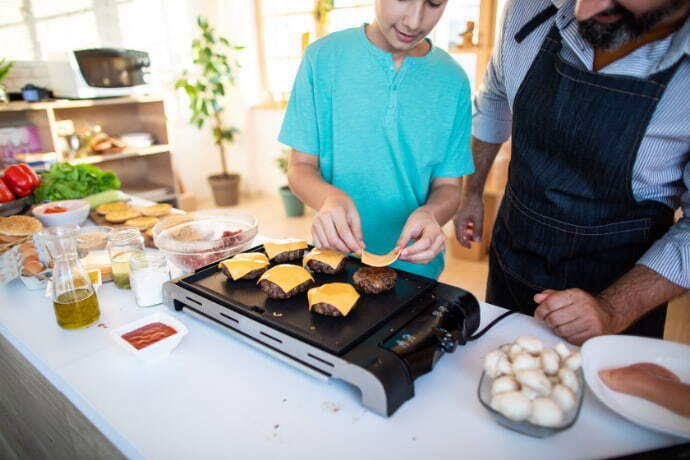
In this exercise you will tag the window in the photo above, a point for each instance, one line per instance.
(285, 28)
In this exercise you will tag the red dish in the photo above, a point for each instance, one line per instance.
(148, 335)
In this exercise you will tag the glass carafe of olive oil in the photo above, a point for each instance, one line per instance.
(74, 298)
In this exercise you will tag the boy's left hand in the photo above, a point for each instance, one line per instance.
(429, 238)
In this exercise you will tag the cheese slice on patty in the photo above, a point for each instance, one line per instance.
(273, 249)
(241, 264)
(341, 295)
(286, 276)
(327, 256)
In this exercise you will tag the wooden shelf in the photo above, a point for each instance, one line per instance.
(75, 103)
(130, 153)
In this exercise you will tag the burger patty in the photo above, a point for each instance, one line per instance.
(276, 292)
(317, 266)
(288, 256)
(325, 309)
(374, 280)
(252, 275)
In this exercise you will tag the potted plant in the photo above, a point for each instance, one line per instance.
(206, 84)
(293, 205)
(5, 67)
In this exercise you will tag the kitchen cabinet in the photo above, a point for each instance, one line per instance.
(146, 172)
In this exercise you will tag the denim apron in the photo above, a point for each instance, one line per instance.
(568, 218)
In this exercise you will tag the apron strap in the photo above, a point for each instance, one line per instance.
(535, 22)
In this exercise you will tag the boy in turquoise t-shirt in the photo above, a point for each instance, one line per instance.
(379, 123)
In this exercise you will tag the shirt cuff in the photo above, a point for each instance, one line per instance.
(490, 130)
(671, 260)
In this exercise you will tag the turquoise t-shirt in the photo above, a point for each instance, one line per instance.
(381, 135)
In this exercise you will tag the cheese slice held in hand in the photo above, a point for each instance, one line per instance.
(375, 260)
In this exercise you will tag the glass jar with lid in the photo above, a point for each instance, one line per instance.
(74, 297)
(122, 243)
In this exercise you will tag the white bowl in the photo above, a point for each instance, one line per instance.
(158, 349)
(76, 214)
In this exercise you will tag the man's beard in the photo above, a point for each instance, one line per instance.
(609, 36)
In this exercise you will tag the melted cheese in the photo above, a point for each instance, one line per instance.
(241, 264)
(341, 295)
(327, 256)
(287, 276)
(273, 249)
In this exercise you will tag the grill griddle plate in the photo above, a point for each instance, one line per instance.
(382, 346)
(292, 316)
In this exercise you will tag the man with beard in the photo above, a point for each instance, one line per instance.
(595, 94)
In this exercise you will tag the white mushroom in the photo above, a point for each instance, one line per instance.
(504, 366)
(503, 384)
(564, 397)
(523, 361)
(530, 393)
(530, 343)
(536, 380)
(491, 363)
(513, 405)
(562, 350)
(514, 350)
(573, 361)
(569, 379)
(545, 412)
(550, 361)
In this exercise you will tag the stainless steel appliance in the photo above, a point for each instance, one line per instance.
(381, 347)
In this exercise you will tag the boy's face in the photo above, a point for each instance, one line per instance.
(404, 23)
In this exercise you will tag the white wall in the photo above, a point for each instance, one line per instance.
(165, 28)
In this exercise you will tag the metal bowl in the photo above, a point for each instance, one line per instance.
(18, 206)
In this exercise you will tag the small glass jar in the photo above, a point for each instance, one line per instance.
(122, 243)
(148, 271)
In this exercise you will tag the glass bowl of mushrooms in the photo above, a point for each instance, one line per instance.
(532, 389)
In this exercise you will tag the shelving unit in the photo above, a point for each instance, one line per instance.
(145, 172)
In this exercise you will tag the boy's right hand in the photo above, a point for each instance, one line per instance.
(469, 220)
(337, 226)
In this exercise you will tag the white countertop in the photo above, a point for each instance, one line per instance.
(217, 397)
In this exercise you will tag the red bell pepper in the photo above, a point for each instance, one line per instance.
(21, 180)
(5, 194)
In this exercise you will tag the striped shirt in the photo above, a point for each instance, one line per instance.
(662, 168)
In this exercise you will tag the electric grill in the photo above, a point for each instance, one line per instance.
(381, 347)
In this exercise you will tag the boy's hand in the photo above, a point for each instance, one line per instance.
(469, 221)
(429, 238)
(337, 225)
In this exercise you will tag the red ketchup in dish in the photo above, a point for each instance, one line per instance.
(55, 210)
(148, 335)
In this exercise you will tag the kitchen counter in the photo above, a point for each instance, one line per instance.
(217, 397)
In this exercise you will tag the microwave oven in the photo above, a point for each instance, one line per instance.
(101, 72)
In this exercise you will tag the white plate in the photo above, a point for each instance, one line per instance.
(622, 350)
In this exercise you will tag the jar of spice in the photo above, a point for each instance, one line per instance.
(122, 244)
(147, 273)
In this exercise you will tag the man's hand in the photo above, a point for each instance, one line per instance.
(575, 315)
(469, 220)
(429, 238)
(337, 225)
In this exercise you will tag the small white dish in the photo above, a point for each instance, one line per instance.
(76, 212)
(158, 349)
(612, 351)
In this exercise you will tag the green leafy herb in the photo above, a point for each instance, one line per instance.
(67, 182)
